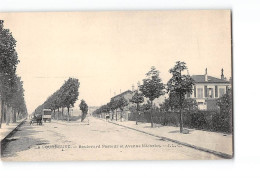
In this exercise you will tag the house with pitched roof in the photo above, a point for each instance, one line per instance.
(125, 113)
(207, 89)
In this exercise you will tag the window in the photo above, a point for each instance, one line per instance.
(221, 92)
(210, 92)
(216, 91)
(200, 92)
(205, 91)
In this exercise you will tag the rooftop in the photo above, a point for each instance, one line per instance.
(121, 94)
(211, 79)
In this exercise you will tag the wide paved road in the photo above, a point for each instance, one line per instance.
(60, 140)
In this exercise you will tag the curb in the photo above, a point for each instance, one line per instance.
(10, 134)
(219, 154)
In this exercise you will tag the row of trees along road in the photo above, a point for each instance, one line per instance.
(65, 97)
(152, 87)
(177, 87)
(12, 103)
(112, 106)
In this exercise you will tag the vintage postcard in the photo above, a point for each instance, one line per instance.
(116, 85)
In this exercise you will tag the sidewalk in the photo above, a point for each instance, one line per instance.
(7, 129)
(213, 142)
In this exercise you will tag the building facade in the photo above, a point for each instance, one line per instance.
(123, 115)
(208, 89)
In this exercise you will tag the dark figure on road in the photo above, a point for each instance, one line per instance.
(37, 119)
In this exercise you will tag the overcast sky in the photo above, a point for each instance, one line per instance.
(109, 51)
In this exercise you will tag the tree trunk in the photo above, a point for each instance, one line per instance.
(113, 114)
(2, 112)
(121, 115)
(58, 113)
(9, 115)
(81, 116)
(5, 112)
(137, 107)
(116, 114)
(151, 115)
(181, 121)
(84, 116)
(14, 113)
(62, 112)
(68, 113)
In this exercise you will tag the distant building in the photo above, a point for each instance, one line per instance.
(125, 113)
(127, 95)
(208, 89)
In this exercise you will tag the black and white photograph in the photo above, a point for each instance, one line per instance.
(116, 85)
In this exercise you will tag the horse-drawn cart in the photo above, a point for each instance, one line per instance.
(46, 115)
(38, 118)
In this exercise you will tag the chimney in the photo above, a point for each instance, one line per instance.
(138, 85)
(222, 74)
(133, 87)
(206, 74)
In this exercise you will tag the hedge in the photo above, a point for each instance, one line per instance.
(203, 120)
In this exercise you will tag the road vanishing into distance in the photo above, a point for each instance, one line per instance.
(101, 140)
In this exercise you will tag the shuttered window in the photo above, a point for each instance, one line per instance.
(200, 92)
(205, 91)
(216, 91)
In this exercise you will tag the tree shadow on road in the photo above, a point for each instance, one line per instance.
(21, 140)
